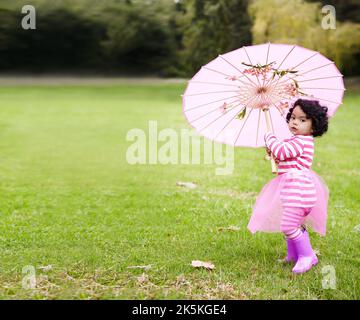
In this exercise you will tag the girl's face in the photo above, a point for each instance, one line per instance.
(299, 124)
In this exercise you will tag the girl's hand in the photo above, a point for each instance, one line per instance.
(268, 151)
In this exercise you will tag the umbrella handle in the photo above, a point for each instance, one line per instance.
(272, 160)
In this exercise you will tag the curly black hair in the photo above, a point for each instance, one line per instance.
(313, 111)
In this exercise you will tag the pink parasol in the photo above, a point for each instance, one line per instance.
(237, 97)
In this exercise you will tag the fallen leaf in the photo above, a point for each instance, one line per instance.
(68, 277)
(140, 267)
(231, 228)
(201, 264)
(143, 278)
(189, 185)
(181, 280)
(45, 268)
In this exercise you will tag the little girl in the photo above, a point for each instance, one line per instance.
(297, 195)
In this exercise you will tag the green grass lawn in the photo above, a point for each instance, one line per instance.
(70, 200)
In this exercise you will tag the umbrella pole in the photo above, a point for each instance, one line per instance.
(268, 127)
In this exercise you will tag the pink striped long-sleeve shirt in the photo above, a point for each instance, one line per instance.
(295, 155)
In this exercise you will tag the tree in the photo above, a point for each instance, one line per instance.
(113, 35)
(138, 36)
(299, 22)
(210, 28)
(54, 45)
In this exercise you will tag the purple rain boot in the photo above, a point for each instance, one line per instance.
(291, 252)
(306, 256)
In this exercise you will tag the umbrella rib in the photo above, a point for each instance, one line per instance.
(338, 76)
(243, 126)
(205, 104)
(200, 93)
(272, 80)
(285, 80)
(292, 78)
(247, 55)
(309, 95)
(278, 98)
(245, 106)
(237, 69)
(251, 63)
(304, 60)
(267, 54)
(276, 91)
(272, 125)
(267, 59)
(299, 65)
(286, 56)
(257, 130)
(211, 111)
(217, 83)
(277, 108)
(227, 124)
(324, 88)
(273, 100)
(224, 74)
(301, 74)
(293, 69)
(216, 119)
(312, 96)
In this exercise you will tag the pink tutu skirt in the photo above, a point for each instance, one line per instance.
(268, 209)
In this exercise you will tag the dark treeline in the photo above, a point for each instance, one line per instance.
(163, 37)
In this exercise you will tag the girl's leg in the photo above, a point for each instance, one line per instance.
(297, 238)
(291, 221)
